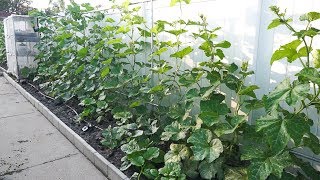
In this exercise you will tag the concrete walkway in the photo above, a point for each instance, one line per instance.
(33, 149)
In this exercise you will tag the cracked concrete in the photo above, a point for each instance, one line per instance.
(32, 148)
(46, 162)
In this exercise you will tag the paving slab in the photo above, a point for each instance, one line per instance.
(6, 87)
(12, 98)
(56, 170)
(32, 148)
(32, 134)
(9, 109)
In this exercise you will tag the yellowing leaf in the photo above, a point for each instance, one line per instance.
(310, 16)
(316, 58)
(105, 72)
(288, 51)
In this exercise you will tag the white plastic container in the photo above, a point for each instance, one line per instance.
(20, 39)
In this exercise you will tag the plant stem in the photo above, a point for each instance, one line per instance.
(306, 106)
(308, 51)
(302, 62)
(140, 172)
(314, 90)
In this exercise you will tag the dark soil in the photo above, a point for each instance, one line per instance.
(4, 64)
(92, 136)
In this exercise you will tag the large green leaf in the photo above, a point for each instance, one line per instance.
(136, 159)
(190, 168)
(311, 141)
(219, 53)
(207, 48)
(278, 131)
(177, 153)
(177, 32)
(232, 82)
(123, 29)
(211, 110)
(144, 33)
(310, 74)
(253, 104)
(174, 131)
(150, 173)
(297, 127)
(160, 51)
(151, 153)
(192, 93)
(252, 151)
(274, 23)
(223, 44)
(156, 88)
(87, 101)
(130, 147)
(285, 91)
(229, 127)
(105, 71)
(114, 41)
(310, 16)
(210, 170)
(288, 51)
(275, 131)
(83, 52)
(234, 67)
(120, 113)
(165, 67)
(80, 69)
(214, 77)
(172, 170)
(112, 136)
(236, 174)
(182, 53)
(311, 32)
(204, 147)
(249, 91)
(260, 169)
(188, 79)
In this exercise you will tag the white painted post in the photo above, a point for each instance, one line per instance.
(264, 52)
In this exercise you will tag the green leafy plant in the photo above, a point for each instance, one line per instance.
(287, 126)
(26, 73)
(173, 121)
(174, 2)
(2, 45)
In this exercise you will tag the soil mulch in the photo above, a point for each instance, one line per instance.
(4, 65)
(67, 114)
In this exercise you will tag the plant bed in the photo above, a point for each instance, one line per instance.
(67, 115)
(3, 65)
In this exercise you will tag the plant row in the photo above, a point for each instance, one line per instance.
(173, 121)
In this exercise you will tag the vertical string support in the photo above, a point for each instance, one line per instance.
(151, 44)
